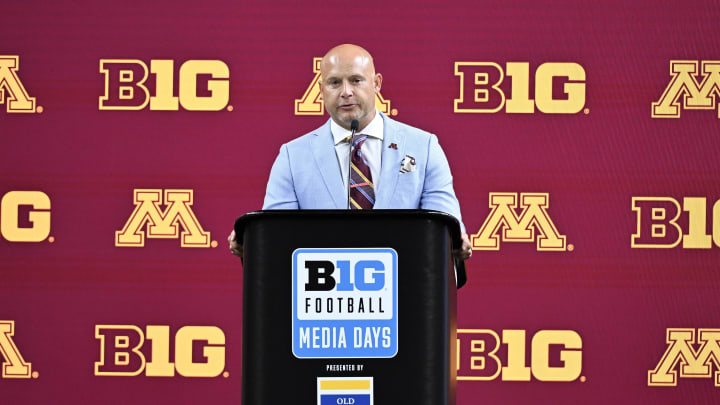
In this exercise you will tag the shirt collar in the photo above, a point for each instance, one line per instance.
(375, 129)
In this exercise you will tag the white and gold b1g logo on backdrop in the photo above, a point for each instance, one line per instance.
(659, 226)
(532, 224)
(478, 358)
(14, 366)
(481, 92)
(695, 95)
(38, 217)
(12, 91)
(681, 356)
(149, 219)
(121, 351)
(311, 102)
(203, 85)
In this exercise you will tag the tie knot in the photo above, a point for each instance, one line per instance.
(357, 140)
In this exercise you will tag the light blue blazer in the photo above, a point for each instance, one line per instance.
(306, 173)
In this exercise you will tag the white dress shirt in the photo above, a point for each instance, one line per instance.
(371, 149)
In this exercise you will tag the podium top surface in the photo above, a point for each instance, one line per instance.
(450, 221)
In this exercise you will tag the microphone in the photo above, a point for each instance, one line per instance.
(354, 124)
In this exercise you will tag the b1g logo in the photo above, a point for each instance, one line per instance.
(311, 102)
(344, 302)
(15, 366)
(658, 227)
(17, 223)
(121, 351)
(556, 355)
(681, 355)
(695, 95)
(504, 223)
(12, 91)
(481, 92)
(162, 224)
(203, 85)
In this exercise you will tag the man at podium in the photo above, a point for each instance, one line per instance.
(360, 158)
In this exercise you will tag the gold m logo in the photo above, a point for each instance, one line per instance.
(162, 224)
(18, 100)
(696, 96)
(311, 102)
(519, 228)
(15, 366)
(692, 363)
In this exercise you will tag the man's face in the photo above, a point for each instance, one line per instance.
(349, 84)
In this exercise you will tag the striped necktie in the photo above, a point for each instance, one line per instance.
(362, 193)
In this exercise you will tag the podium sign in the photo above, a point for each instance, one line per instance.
(344, 303)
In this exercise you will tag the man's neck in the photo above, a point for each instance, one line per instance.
(374, 129)
(360, 127)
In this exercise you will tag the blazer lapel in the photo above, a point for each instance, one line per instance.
(323, 150)
(391, 158)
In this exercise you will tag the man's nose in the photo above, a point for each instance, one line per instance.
(346, 90)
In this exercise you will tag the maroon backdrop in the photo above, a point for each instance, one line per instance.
(609, 316)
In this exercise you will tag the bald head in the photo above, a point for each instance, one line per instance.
(349, 84)
(345, 54)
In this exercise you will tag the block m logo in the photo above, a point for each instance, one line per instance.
(311, 102)
(692, 363)
(696, 96)
(519, 228)
(17, 100)
(162, 224)
(15, 366)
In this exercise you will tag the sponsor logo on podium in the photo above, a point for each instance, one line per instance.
(345, 391)
(344, 303)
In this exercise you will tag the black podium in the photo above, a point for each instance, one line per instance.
(348, 307)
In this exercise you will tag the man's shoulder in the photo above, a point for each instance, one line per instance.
(414, 133)
(305, 139)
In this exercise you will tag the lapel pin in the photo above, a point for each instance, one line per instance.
(393, 146)
(407, 164)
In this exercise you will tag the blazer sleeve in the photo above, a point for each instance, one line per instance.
(280, 192)
(438, 193)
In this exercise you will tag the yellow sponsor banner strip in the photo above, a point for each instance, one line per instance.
(345, 385)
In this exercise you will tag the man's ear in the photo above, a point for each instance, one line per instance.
(377, 82)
